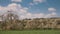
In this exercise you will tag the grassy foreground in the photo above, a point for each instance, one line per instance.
(31, 32)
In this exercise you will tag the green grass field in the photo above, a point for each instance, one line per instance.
(31, 32)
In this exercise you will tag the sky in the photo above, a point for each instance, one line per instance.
(31, 8)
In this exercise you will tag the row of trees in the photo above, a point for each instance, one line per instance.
(11, 22)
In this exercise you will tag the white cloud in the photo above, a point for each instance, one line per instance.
(35, 2)
(22, 17)
(2, 10)
(27, 15)
(41, 15)
(17, 8)
(30, 15)
(51, 9)
(16, 0)
(31, 3)
(23, 11)
(53, 14)
(39, 1)
(14, 6)
(47, 16)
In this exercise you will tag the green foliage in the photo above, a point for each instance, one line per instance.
(31, 32)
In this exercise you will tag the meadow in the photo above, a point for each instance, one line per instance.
(31, 32)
